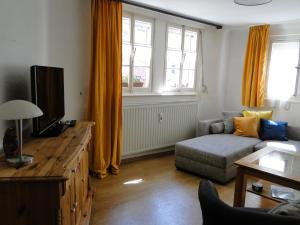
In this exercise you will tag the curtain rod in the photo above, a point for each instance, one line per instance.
(141, 5)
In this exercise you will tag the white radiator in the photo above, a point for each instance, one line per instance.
(151, 127)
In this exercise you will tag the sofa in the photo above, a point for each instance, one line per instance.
(213, 155)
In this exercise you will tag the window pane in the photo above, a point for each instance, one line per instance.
(142, 56)
(142, 32)
(126, 29)
(174, 38)
(125, 76)
(141, 77)
(190, 41)
(126, 51)
(189, 61)
(282, 71)
(188, 78)
(172, 78)
(173, 59)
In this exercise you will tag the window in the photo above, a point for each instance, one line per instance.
(283, 70)
(181, 58)
(136, 53)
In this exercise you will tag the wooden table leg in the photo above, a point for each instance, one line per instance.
(240, 188)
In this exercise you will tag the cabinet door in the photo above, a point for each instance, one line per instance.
(85, 175)
(78, 192)
(67, 206)
(73, 200)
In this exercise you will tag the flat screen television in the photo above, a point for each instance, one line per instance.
(47, 92)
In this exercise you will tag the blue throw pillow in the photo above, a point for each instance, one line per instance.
(272, 130)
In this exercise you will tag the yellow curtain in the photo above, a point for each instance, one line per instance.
(105, 88)
(255, 66)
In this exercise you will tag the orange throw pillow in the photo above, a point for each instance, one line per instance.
(245, 126)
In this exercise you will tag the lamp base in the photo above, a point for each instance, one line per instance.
(19, 162)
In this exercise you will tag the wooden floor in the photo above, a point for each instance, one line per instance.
(153, 192)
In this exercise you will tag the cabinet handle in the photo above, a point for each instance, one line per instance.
(83, 179)
(74, 170)
(73, 210)
(75, 204)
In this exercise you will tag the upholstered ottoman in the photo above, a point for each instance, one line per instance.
(213, 156)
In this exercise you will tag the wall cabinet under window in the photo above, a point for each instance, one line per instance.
(136, 53)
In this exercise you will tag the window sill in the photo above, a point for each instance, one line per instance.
(160, 94)
(295, 100)
(142, 99)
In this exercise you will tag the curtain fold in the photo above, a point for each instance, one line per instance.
(105, 88)
(255, 66)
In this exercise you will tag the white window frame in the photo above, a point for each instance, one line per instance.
(199, 37)
(284, 39)
(133, 17)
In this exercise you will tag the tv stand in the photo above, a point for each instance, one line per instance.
(55, 189)
(55, 130)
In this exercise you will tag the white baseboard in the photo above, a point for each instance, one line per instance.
(149, 152)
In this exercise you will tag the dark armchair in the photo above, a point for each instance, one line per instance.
(216, 212)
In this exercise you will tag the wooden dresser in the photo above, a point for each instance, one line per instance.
(55, 189)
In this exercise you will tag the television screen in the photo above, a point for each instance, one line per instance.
(47, 84)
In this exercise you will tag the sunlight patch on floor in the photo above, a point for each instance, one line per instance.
(136, 181)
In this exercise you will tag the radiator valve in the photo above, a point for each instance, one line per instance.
(161, 117)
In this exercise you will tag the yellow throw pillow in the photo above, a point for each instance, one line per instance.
(245, 126)
(259, 115)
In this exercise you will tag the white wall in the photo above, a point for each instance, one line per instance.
(44, 32)
(68, 46)
(210, 101)
(236, 43)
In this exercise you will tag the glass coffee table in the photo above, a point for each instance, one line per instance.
(272, 164)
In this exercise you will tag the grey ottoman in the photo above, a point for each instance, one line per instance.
(213, 155)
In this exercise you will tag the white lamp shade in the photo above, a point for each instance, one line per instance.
(252, 2)
(19, 109)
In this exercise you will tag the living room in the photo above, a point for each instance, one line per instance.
(158, 83)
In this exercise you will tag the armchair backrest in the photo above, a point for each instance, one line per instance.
(216, 212)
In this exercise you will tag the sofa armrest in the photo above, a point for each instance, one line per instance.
(293, 133)
(204, 125)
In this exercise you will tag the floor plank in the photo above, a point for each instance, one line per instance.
(153, 192)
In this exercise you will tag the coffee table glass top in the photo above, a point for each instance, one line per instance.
(280, 161)
(277, 161)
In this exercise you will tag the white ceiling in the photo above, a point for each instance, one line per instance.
(227, 13)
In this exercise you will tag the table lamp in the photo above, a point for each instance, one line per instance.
(18, 110)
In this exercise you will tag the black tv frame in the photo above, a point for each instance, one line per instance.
(53, 128)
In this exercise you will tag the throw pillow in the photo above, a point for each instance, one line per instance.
(259, 115)
(245, 126)
(272, 130)
(228, 120)
(287, 209)
(217, 128)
